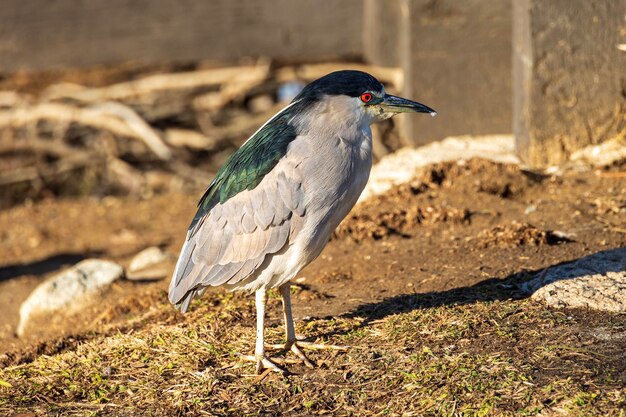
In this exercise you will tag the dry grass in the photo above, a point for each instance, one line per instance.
(497, 358)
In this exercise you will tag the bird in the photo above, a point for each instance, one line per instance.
(273, 205)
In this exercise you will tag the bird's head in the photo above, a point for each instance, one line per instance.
(357, 94)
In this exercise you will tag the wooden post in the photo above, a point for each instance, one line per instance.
(569, 76)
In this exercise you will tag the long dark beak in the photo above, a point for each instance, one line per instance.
(395, 104)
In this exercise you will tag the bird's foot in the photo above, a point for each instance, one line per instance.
(306, 345)
(264, 362)
(296, 347)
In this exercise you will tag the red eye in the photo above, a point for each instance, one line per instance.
(366, 97)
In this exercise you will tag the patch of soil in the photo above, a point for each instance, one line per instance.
(505, 181)
(363, 223)
(519, 234)
(445, 230)
(401, 210)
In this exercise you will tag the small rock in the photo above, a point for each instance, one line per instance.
(69, 289)
(607, 334)
(147, 257)
(530, 209)
(564, 236)
(597, 281)
(149, 264)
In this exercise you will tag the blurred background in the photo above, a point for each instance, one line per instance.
(136, 97)
(114, 116)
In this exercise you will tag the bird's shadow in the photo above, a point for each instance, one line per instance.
(518, 285)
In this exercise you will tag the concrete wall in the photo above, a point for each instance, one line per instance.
(42, 34)
(570, 76)
(456, 57)
(381, 31)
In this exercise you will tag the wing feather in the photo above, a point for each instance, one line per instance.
(221, 273)
(247, 221)
(236, 237)
(262, 214)
(211, 247)
(246, 270)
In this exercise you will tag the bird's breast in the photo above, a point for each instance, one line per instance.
(338, 167)
(335, 171)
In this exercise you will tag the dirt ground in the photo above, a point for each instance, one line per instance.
(454, 241)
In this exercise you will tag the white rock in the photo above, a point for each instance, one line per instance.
(601, 155)
(149, 264)
(401, 166)
(69, 290)
(147, 257)
(597, 281)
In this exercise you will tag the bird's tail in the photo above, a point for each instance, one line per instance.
(183, 305)
(179, 293)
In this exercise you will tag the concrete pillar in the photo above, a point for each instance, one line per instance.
(456, 57)
(569, 76)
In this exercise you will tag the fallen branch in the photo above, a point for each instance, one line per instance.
(52, 147)
(143, 130)
(158, 83)
(70, 159)
(191, 174)
(46, 172)
(113, 117)
(126, 176)
(238, 127)
(233, 89)
(179, 138)
(13, 98)
(617, 174)
(62, 90)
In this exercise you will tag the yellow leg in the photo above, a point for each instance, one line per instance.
(262, 362)
(292, 343)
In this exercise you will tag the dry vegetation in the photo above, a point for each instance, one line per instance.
(449, 354)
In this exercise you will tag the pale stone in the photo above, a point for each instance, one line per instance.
(402, 166)
(149, 264)
(596, 281)
(69, 290)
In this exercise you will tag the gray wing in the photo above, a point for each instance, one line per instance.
(233, 239)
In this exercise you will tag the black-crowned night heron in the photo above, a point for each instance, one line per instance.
(273, 205)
